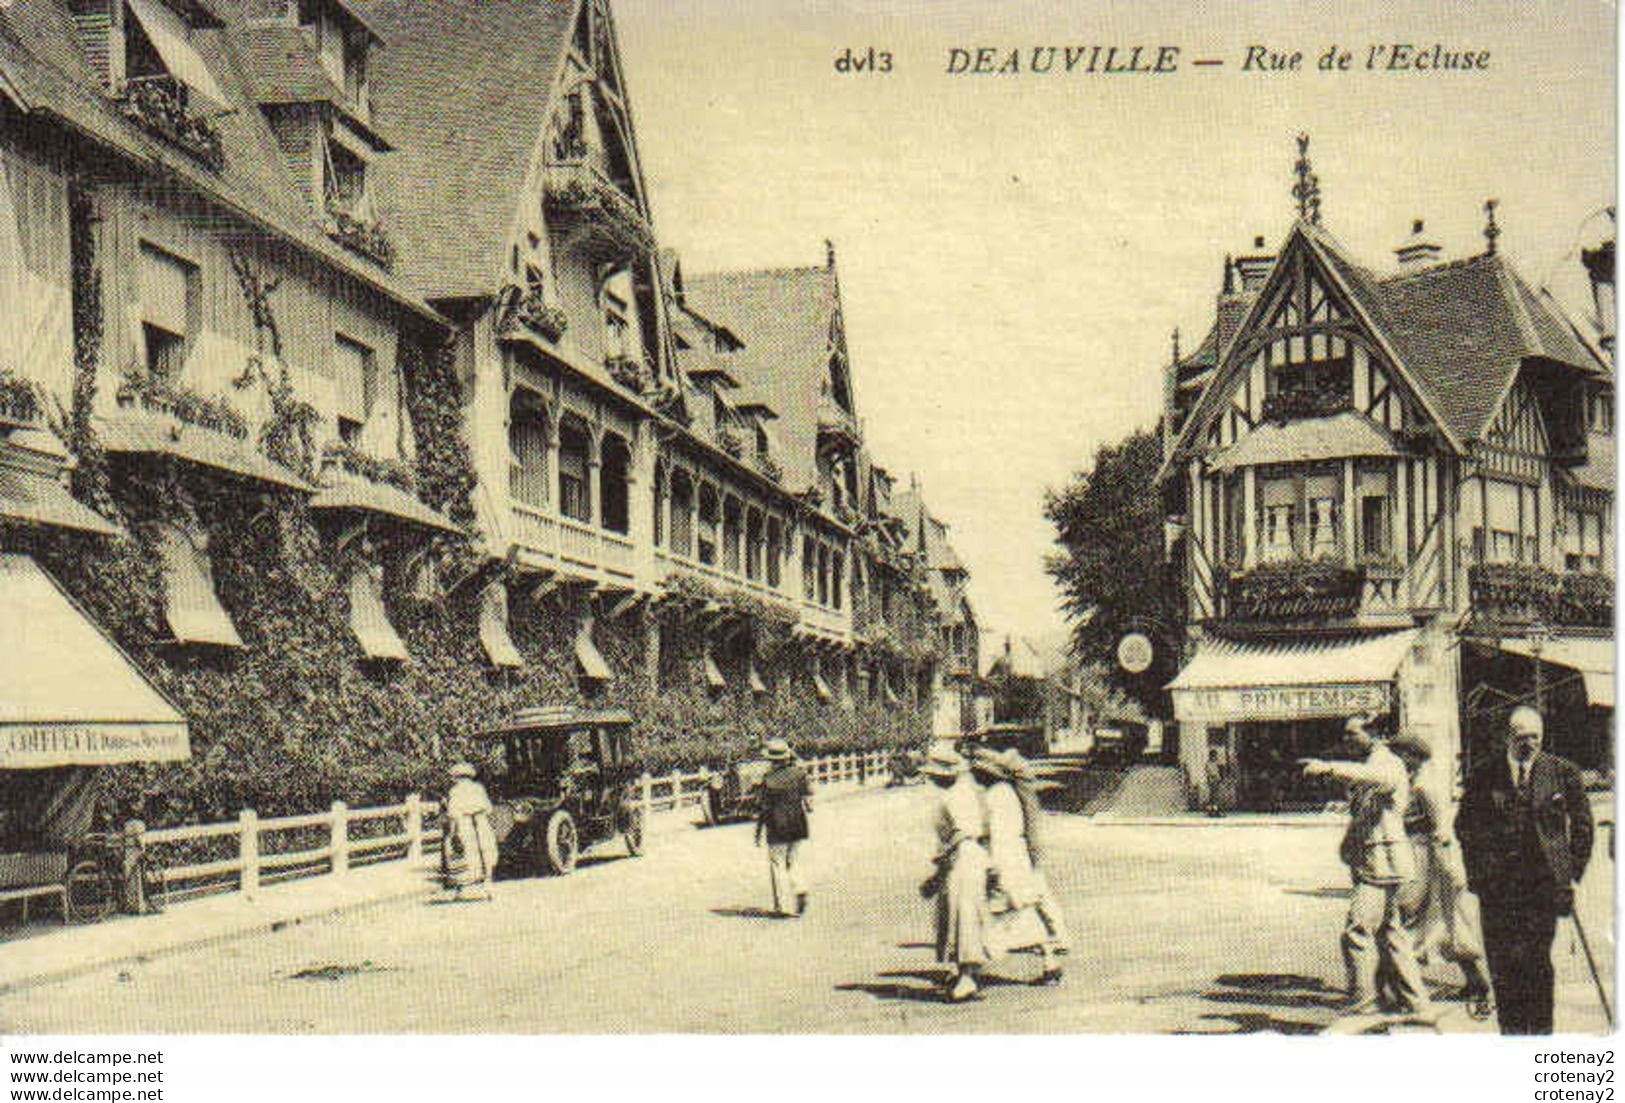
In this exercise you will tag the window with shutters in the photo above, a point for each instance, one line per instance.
(169, 310)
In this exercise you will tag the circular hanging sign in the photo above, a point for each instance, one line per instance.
(1134, 653)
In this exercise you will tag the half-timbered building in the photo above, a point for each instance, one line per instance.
(1388, 492)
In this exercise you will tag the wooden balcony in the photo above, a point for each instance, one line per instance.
(668, 561)
(548, 541)
(606, 219)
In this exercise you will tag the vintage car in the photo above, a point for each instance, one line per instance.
(567, 783)
(730, 793)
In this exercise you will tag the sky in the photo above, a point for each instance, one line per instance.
(1014, 251)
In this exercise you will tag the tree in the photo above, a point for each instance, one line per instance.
(1108, 523)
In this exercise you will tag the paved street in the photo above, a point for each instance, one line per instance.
(1179, 928)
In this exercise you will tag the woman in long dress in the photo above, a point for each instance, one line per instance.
(1027, 784)
(1016, 886)
(959, 885)
(1435, 905)
(469, 852)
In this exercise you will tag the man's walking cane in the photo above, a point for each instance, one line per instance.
(1596, 978)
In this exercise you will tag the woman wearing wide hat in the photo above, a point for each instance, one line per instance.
(959, 885)
(1015, 887)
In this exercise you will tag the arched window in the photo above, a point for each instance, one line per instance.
(573, 446)
(710, 510)
(732, 534)
(682, 508)
(753, 544)
(775, 551)
(527, 449)
(614, 504)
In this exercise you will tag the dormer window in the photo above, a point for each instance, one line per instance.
(341, 42)
(1600, 412)
(344, 182)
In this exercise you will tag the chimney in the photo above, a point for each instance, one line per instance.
(1417, 250)
(1254, 268)
(1599, 264)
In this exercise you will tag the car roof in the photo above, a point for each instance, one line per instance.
(557, 720)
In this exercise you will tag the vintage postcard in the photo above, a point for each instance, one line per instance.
(544, 517)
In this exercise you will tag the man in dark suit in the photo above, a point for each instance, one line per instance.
(1525, 829)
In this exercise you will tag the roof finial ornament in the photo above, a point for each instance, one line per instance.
(1491, 230)
(829, 253)
(1307, 189)
(1176, 344)
(1229, 275)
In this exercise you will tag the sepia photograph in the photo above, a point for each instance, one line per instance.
(836, 517)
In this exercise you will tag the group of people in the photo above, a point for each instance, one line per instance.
(1525, 832)
(991, 895)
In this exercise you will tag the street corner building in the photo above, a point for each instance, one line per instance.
(349, 405)
(1392, 494)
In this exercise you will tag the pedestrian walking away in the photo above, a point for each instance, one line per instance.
(1435, 905)
(1526, 833)
(784, 802)
(1380, 862)
(959, 885)
(1014, 888)
(469, 857)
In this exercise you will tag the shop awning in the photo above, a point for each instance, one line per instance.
(1305, 678)
(387, 501)
(41, 500)
(68, 695)
(1593, 659)
(172, 39)
(757, 686)
(820, 686)
(369, 619)
(1342, 436)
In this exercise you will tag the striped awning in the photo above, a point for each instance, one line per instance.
(1302, 678)
(591, 661)
(191, 608)
(68, 695)
(494, 637)
(369, 618)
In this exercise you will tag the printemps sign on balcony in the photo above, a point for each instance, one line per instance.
(1294, 590)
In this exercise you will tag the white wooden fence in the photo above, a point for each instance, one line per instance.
(252, 853)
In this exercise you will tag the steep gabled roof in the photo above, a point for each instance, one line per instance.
(41, 57)
(281, 65)
(465, 94)
(1457, 333)
(783, 315)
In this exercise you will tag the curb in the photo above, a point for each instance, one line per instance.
(252, 927)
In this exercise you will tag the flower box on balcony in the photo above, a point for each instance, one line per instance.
(524, 307)
(1515, 593)
(19, 401)
(158, 105)
(1586, 600)
(1300, 403)
(629, 372)
(729, 440)
(160, 396)
(384, 472)
(358, 235)
(767, 466)
(1293, 590)
(579, 190)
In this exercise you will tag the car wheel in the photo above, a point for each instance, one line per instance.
(562, 843)
(634, 832)
(89, 896)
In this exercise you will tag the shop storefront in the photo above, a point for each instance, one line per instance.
(1263, 704)
(70, 703)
